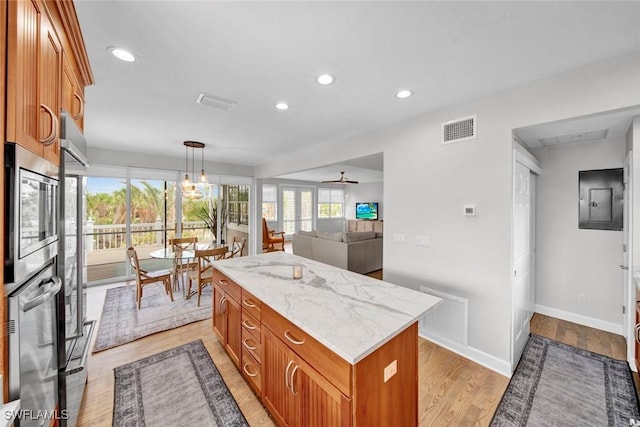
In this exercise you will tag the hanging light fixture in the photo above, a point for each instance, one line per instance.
(189, 189)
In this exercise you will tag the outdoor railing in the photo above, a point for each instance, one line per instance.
(113, 236)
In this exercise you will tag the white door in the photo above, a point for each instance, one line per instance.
(297, 209)
(522, 293)
(628, 287)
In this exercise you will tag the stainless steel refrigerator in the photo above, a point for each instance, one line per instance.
(73, 328)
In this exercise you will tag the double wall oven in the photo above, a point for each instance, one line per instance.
(31, 282)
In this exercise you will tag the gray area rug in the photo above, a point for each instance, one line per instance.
(122, 322)
(178, 387)
(557, 385)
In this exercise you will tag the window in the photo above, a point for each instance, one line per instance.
(270, 202)
(330, 203)
(238, 204)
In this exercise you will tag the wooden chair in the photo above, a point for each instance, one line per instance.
(270, 238)
(236, 248)
(180, 265)
(204, 271)
(144, 277)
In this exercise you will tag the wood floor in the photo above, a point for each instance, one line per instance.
(453, 391)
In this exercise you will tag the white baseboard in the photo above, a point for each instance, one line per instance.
(580, 319)
(488, 361)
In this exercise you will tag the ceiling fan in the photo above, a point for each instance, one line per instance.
(342, 180)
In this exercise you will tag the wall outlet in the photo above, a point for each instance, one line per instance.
(390, 370)
(582, 299)
(398, 237)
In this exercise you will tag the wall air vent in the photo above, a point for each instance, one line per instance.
(459, 129)
(215, 102)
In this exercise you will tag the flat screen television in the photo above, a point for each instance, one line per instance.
(367, 210)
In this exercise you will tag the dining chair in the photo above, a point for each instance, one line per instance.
(270, 238)
(236, 248)
(144, 277)
(180, 264)
(204, 272)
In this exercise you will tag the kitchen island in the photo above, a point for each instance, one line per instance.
(331, 348)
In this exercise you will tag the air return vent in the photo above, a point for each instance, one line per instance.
(215, 102)
(459, 130)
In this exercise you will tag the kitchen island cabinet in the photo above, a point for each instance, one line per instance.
(335, 348)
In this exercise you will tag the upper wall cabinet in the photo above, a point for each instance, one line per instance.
(47, 69)
(34, 58)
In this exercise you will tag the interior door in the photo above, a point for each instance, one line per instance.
(297, 209)
(522, 306)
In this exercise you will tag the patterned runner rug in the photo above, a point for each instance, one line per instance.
(122, 322)
(559, 385)
(178, 387)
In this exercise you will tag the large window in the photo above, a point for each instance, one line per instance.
(270, 202)
(238, 204)
(330, 203)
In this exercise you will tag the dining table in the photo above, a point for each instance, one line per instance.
(181, 259)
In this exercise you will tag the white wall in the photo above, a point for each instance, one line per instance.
(573, 261)
(427, 184)
(365, 192)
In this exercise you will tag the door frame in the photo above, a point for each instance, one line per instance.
(298, 188)
(530, 163)
(629, 293)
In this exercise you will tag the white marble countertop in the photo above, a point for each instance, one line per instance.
(349, 313)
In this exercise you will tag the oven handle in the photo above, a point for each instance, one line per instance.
(53, 289)
(85, 351)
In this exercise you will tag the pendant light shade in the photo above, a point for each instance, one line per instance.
(189, 189)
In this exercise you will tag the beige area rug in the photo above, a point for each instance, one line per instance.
(121, 322)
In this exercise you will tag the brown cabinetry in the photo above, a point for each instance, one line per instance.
(34, 66)
(227, 316)
(72, 93)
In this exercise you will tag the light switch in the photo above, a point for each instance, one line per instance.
(398, 238)
(424, 241)
(390, 370)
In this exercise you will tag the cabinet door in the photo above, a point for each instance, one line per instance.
(72, 93)
(318, 402)
(219, 318)
(277, 360)
(49, 69)
(233, 341)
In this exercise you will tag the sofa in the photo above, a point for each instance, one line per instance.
(358, 251)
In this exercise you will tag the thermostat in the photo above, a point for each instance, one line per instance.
(470, 210)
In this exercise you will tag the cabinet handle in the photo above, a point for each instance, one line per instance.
(222, 301)
(248, 303)
(247, 325)
(638, 332)
(246, 344)
(293, 376)
(223, 282)
(81, 109)
(54, 126)
(246, 371)
(293, 340)
(286, 375)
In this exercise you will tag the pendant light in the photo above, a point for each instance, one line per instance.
(189, 189)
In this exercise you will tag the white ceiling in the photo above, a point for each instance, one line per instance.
(260, 53)
(363, 169)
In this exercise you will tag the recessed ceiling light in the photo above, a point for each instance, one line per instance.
(121, 54)
(404, 94)
(325, 79)
(282, 106)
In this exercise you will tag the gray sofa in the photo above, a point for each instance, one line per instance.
(359, 251)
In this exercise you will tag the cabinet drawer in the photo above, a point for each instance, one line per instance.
(252, 304)
(251, 325)
(228, 285)
(252, 345)
(327, 363)
(252, 371)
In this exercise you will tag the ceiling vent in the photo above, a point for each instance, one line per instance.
(459, 130)
(215, 102)
(592, 135)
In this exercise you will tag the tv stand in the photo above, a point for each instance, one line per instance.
(364, 225)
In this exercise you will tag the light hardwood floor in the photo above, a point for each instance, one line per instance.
(453, 391)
